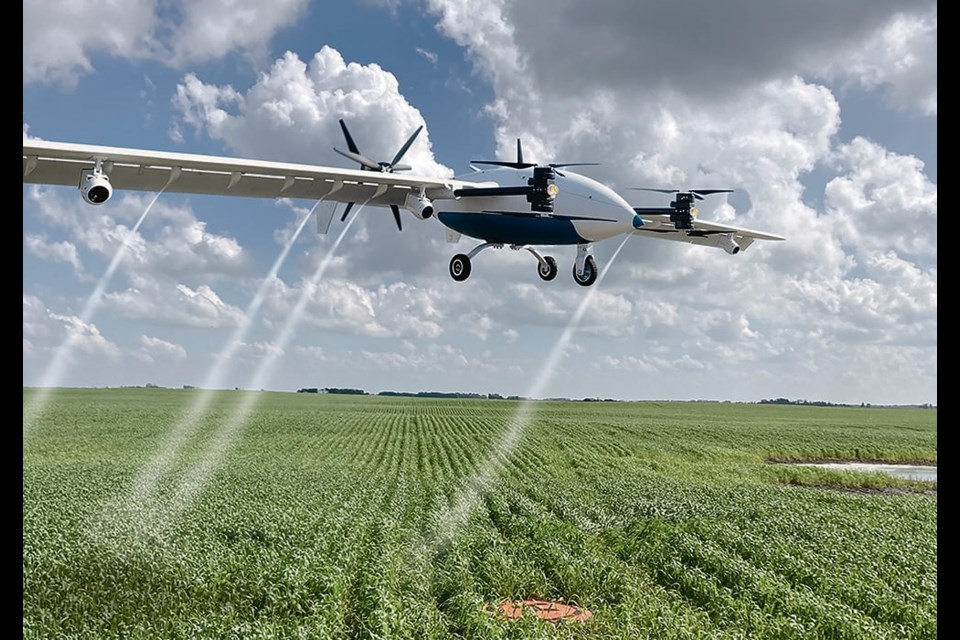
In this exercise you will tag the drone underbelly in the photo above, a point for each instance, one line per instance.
(506, 228)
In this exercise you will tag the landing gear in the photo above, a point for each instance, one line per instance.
(547, 270)
(585, 271)
(460, 267)
(589, 275)
(460, 263)
(585, 268)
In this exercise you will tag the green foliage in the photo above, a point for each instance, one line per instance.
(322, 519)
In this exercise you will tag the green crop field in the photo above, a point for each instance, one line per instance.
(365, 517)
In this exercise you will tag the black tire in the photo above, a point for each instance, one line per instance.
(550, 272)
(590, 272)
(460, 267)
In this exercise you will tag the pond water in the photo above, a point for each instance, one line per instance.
(927, 473)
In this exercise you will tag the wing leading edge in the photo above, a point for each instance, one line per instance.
(59, 163)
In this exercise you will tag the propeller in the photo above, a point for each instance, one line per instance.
(697, 193)
(681, 209)
(520, 164)
(367, 164)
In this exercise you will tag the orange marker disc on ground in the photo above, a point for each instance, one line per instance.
(543, 609)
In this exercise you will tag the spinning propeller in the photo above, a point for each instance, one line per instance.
(369, 165)
(682, 207)
(520, 164)
(696, 193)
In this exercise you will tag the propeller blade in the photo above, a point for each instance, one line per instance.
(573, 164)
(363, 160)
(401, 167)
(519, 152)
(707, 192)
(396, 216)
(697, 193)
(504, 163)
(346, 211)
(405, 147)
(346, 134)
(651, 189)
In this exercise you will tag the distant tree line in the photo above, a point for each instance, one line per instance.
(811, 403)
(497, 396)
(447, 394)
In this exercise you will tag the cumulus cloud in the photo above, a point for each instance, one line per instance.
(85, 337)
(852, 292)
(62, 39)
(882, 200)
(292, 112)
(172, 303)
(154, 349)
(209, 29)
(64, 251)
(393, 310)
(438, 357)
(750, 117)
(699, 51)
(900, 59)
(172, 240)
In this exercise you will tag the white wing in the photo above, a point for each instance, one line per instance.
(59, 163)
(709, 234)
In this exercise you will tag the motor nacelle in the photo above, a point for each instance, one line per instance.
(419, 205)
(543, 190)
(728, 244)
(683, 211)
(95, 186)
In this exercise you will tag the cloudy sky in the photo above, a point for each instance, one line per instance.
(821, 115)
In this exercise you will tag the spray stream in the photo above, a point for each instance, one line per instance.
(458, 512)
(57, 369)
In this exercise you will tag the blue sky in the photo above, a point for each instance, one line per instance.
(826, 131)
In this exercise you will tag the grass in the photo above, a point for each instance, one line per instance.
(322, 521)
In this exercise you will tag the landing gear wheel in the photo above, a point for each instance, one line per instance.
(589, 272)
(547, 271)
(460, 267)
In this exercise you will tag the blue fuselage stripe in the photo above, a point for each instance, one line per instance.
(508, 229)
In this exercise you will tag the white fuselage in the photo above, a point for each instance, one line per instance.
(584, 211)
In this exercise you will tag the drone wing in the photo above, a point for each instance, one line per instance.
(58, 163)
(704, 233)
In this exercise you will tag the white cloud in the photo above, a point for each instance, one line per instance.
(428, 357)
(176, 304)
(883, 200)
(432, 57)
(634, 48)
(157, 349)
(26, 134)
(55, 251)
(747, 117)
(62, 38)
(34, 316)
(900, 58)
(849, 295)
(209, 29)
(311, 352)
(85, 337)
(172, 242)
(256, 352)
(394, 310)
(479, 324)
(292, 112)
